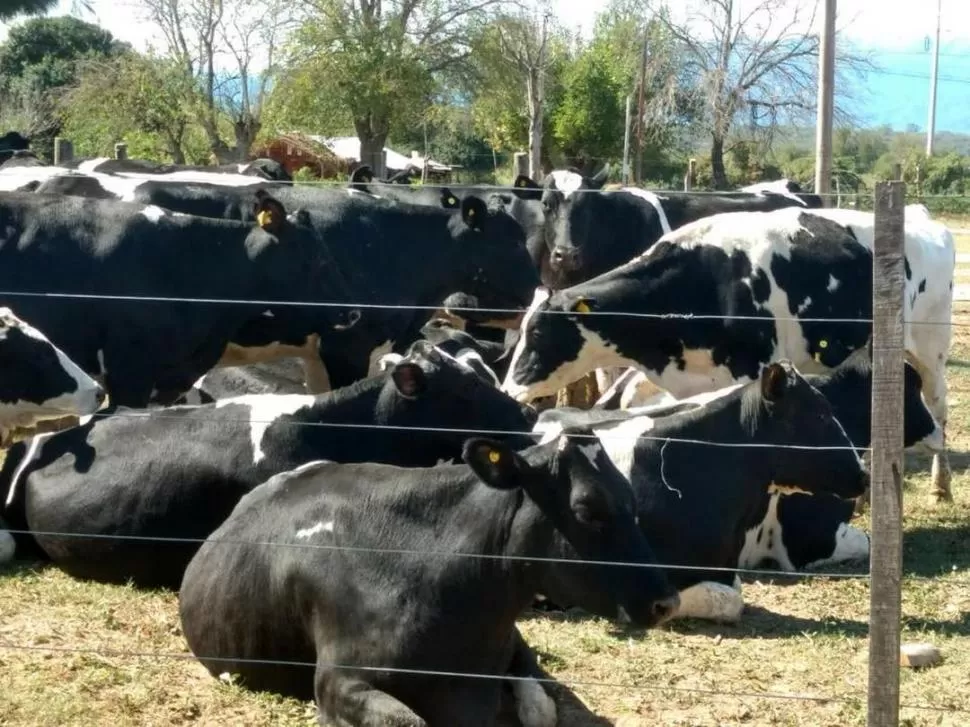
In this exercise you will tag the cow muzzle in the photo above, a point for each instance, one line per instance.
(565, 259)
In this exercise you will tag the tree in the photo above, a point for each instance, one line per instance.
(762, 61)
(39, 60)
(246, 34)
(14, 8)
(373, 65)
(142, 99)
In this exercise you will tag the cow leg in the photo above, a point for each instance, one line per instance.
(315, 375)
(712, 601)
(349, 702)
(935, 393)
(533, 705)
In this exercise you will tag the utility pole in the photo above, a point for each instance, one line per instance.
(640, 107)
(826, 99)
(626, 139)
(931, 125)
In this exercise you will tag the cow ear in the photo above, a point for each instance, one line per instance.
(494, 463)
(448, 200)
(582, 304)
(774, 381)
(599, 180)
(269, 212)
(409, 379)
(526, 188)
(474, 212)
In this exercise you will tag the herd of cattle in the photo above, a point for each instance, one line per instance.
(351, 528)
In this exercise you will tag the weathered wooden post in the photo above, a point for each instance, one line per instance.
(885, 560)
(520, 164)
(897, 172)
(63, 150)
(121, 150)
(691, 175)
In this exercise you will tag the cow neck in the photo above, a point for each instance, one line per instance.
(355, 402)
(731, 419)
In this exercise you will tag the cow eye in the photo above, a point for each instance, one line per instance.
(588, 517)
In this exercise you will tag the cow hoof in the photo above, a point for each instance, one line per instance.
(938, 499)
(534, 707)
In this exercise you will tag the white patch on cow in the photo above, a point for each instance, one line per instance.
(264, 409)
(712, 602)
(33, 447)
(389, 361)
(320, 527)
(770, 544)
(242, 167)
(851, 544)
(619, 440)
(91, 165)
(374, 360)
(932, 442)
(698, 376)
(268, 314)
(473, 361)
(154, 213)
(102, 369)
(776, 187)
(591, 450)
(654, 201)
(8, 547)
(833, 284)
(803, 306)
(12, 178)
(594, 353)
(776, 489)
(541, 296)
(198, 177)
(534, 707)
(567, 182)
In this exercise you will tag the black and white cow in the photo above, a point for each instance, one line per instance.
(701, 473)
(38, 381)
(22, 158)
(155, 350)
(451, 611)
(178, 472)
(283, 376)
(263, 168)
(754, 288)
(800, 531)
(786, 187)
(588, 232)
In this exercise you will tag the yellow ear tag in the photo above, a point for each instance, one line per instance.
(521, 182)
(471, 213)
(823, 343)
(451, 200)
(264, 218)
(494, 457)
(582, 307)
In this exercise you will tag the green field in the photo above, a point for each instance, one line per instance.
(798, 637)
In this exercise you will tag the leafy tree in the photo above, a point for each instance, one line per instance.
(142, 99)
(372, 65)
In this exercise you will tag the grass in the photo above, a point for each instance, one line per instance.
(798, 637)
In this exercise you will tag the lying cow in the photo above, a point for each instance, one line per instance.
(178, 472)
(701, 475)
(742, 290)
(441, 578)
(39, 382)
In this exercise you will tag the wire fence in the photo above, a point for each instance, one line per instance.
(943, 579)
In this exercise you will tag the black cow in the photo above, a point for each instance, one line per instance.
(155, 350)
(10, 143)
(178, 472)
(411, 609)
(588, 232)
(696, 502)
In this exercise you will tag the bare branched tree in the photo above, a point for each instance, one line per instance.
(759, 57)
(229, 48)
(524, 42)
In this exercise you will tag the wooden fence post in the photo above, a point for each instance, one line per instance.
(63, 150)
(520, 164)
(691, 175)
(885, 561)
(897, 172)
(121, 150)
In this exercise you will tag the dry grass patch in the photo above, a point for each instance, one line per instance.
(799, 637)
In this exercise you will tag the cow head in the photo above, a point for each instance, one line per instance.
(575, 486)
(493, 264)
(39, 381)
(784, 410)
(428, 389)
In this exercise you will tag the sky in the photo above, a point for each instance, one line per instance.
(897, 31)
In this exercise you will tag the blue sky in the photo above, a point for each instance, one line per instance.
(896, 31)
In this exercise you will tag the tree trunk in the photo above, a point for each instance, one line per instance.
(246, 130)
(717, 162)
(372, 132)
(534, 88)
